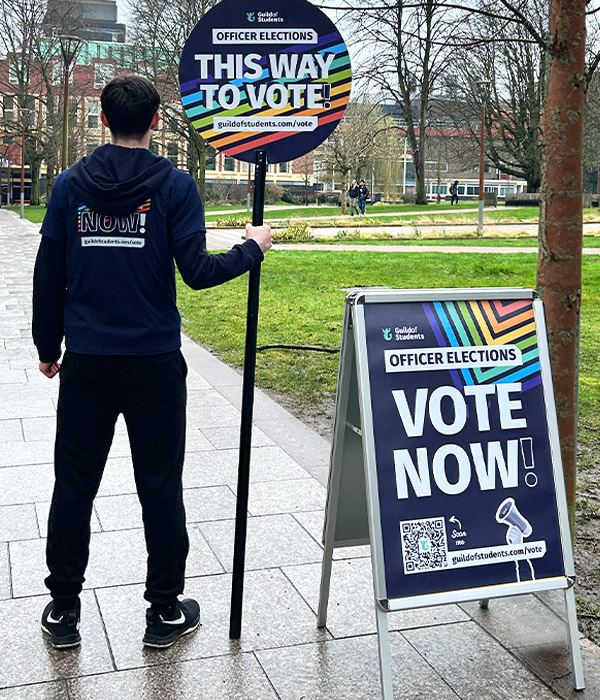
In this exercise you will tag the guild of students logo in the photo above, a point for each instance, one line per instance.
(280, 84)
(107, 231)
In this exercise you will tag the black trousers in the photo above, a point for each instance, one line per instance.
(150, 392)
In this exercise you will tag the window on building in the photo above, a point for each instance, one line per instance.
(211, 158)
(173, 153)
(244, 166)
(93, 114)
(90, 144)
(13, 71)
(229, 164)
(472, 189)
(8, 108)
(284, 167)
(103, 73)
(432, 166)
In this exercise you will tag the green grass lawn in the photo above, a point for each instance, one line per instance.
(314, 212)
(302, 303)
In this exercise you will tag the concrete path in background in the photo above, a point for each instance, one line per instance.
(515, 650)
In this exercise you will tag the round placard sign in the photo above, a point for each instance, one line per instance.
(268, 75)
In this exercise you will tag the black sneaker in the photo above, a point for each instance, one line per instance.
(163, 630)
(63, 628)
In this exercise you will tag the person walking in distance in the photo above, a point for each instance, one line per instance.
(353, 198)
(363, 193)
(105, 280)
(454, 193)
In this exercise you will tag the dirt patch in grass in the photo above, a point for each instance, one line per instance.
(587, 544)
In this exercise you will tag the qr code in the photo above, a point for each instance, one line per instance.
(424, 545)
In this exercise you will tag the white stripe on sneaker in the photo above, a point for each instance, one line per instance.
(180, 620)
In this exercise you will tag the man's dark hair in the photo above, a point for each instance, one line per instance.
(129, 103)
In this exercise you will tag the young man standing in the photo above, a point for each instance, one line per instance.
(105, 280)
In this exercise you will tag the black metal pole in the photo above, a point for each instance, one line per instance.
(241, 512)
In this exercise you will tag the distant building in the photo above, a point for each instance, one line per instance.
(92, 20)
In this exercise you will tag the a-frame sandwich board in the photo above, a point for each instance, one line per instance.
(445, 414)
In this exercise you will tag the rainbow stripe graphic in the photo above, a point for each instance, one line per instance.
(466, 323)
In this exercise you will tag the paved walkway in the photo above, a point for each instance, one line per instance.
(515, 650)
(221, 239)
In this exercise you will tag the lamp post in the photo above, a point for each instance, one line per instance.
(24, 112)
(69, 46)
(482, 86)
(7, 158)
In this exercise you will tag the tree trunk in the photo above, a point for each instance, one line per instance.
(559, 269)
(196, 157)
(419, 165)
(35, 182)
(344, 196)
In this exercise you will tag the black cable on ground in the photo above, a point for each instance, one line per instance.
(312, 348)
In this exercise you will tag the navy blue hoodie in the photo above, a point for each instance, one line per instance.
(104, 274)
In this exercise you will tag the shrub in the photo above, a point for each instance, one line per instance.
(233, 221)
(273, 194)
(294, 231)
(329, 198)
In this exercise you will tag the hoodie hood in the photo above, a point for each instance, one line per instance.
(116, 180)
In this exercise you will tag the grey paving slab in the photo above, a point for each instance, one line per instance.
(238, 677)
(118, 477)
(207, 366)
(220, 467)
(43, 430)
(475, 665)
(35, 429)
(26, 408)
(18, 523)
(351, 609)
(205, 400)
(272, 540)
(5, 591)
(285, 496)
(29, 392)
(348, 669)
(274, 616)
(17, 453)
(12, 376)
(11, 430)
(26, 484)
(228, 438)
(313, 522)
(196, 440)
(30, 658)
(55, 690)
(23, 362)
(203, 504)
(214, 417)
(509, 620)
(302, 444)
(116, 558)
(43, 509)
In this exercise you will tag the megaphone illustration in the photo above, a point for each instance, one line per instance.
(508, 513)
